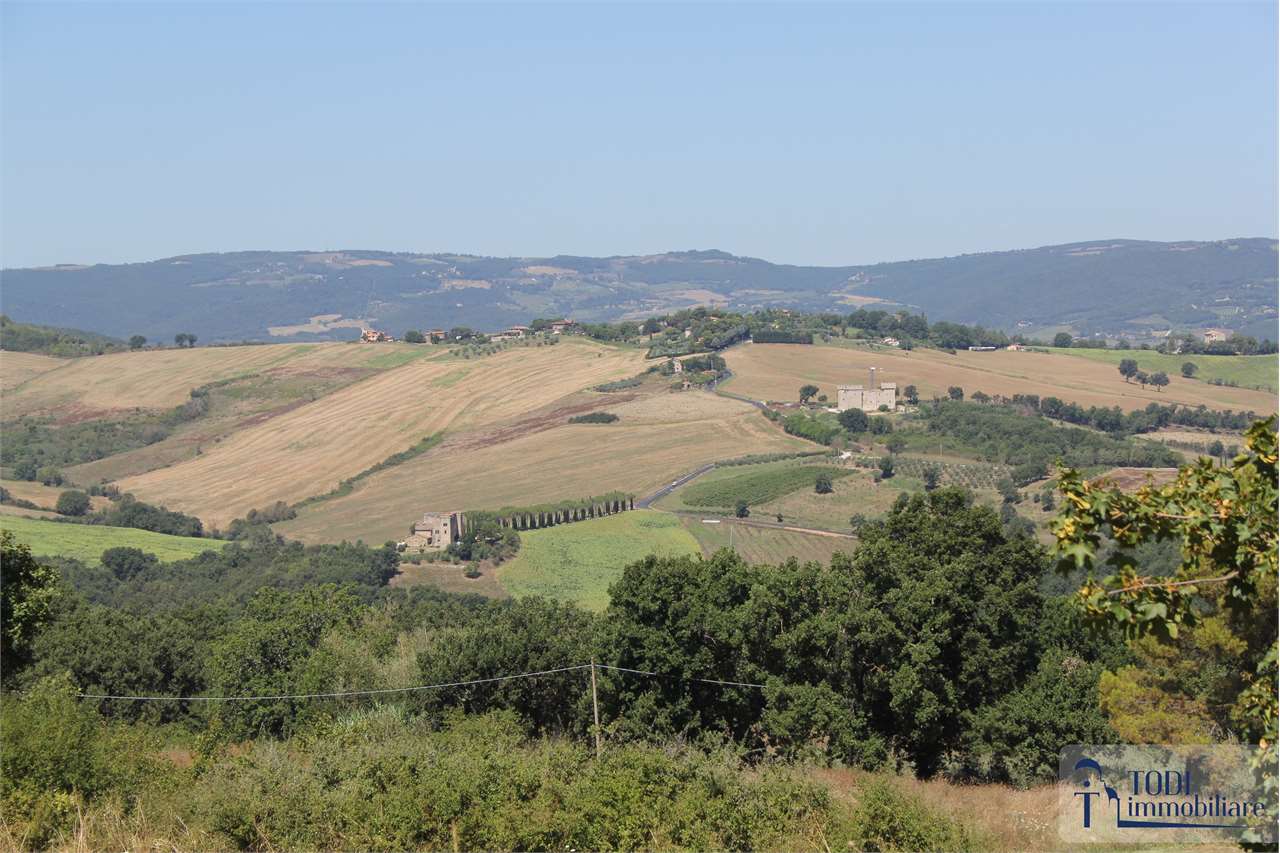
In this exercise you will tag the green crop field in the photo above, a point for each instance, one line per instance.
(767, 483)
(577, 562)
(86, 542)
(1247, 371)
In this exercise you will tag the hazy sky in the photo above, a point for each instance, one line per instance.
(807, 134)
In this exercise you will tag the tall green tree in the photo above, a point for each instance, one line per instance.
(28, 591)
(853, 420)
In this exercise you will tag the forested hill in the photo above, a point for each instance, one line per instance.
(1117, 286)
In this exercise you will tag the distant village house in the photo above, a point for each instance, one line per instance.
(374, 336)
(436, 531)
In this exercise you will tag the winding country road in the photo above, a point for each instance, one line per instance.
(643, 503)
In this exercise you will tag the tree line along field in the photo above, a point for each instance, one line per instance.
(86, 542)
(776, 372)
(1246, 371)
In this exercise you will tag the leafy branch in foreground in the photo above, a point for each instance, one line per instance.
(1224, 518)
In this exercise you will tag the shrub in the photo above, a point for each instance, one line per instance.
(888, 820)
(619, 385)
(821, 430)
(594, 418)
(72, 503)
(886, 467)
(822, 484)
(375, 781)
(124, 563)
(55, 754)
(853, 420)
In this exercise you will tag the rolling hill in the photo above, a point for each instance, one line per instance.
(1117, 286)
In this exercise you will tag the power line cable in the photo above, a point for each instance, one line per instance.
(335, 695)
(661, 675)
(419, 688)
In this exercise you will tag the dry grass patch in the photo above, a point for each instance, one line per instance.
(19, 367)
(1132, 479)
(776, 372)
(309, 450)
(451, 577)
(764, 544)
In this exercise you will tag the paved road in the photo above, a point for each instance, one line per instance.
(674, 484)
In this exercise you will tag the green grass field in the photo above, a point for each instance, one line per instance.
(86, 542)
(577, 562)
(1247, 371)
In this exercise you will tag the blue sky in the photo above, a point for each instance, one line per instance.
(832, 133)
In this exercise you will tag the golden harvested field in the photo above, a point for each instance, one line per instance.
(310, 449)
(161, 379)
(776, 372)
(19, 367)
(657, 439)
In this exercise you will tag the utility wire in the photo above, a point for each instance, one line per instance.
(419, 688)
(337, 695)
(660, 675)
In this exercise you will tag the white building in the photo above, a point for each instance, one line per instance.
(868, 399)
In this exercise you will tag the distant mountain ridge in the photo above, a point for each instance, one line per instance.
(1128, 287)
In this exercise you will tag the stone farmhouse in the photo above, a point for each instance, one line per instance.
(436, 531)
(868, 399)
